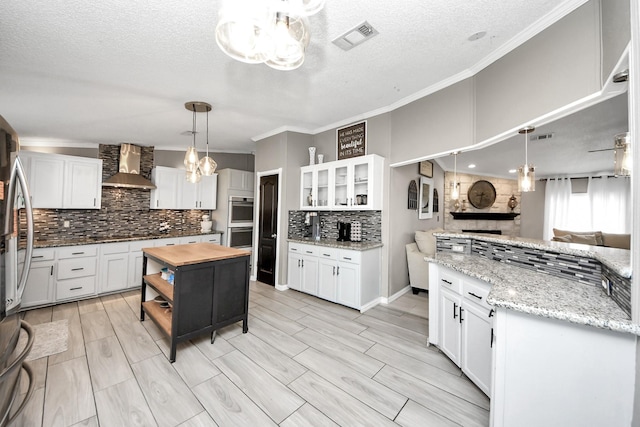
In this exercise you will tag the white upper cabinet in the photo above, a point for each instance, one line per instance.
(351, 184)
(165, 195)
(241, 180)
(83, 187)
(173, 191)
(63, 182)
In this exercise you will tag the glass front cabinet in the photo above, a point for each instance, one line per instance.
(350, 184)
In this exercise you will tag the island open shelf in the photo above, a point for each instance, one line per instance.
(210, 289)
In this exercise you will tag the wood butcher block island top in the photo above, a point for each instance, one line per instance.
(193, 253)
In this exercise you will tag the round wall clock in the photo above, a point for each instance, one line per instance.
(482, 194)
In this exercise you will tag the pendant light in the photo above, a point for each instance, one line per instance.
(207, 164)
(455, 185)
(622, 153)
(526, 172)
(191, 161)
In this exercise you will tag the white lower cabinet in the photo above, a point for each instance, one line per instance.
(40, 283)
(465, 323)
(347, 277)
(75, 272)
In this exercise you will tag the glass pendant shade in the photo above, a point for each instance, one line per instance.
(526, 172)
(290, 39)
(622, 153)
(526, 178)
(311, 7)
(455, 190)
(207, 166)
(193, 176)
(191, 159)
(243, 30)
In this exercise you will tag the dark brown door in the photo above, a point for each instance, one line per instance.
(268, 229)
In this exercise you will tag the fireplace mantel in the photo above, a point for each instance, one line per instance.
(494, 216)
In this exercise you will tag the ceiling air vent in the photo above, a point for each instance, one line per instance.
(541, 137)
(355, 36)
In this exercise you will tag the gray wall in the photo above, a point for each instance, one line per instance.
(532, 212)
(405, 221)
(175, 159)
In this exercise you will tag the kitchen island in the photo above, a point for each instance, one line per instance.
(552, 345)
(205, 286)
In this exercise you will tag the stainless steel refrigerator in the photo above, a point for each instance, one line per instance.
(16, 247)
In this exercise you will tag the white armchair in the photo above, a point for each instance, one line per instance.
(425, 245)
(418, 269)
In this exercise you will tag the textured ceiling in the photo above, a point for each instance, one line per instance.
(78, 72)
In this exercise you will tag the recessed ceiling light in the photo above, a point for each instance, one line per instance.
(471, 166)
(513, 170)
(477, 36)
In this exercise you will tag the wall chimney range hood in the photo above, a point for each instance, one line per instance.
(128, 175)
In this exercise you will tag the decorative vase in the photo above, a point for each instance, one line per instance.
(312, 155)
(512, 202)
(320, 158)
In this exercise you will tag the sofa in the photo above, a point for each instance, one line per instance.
(424, 245)
(595, 238)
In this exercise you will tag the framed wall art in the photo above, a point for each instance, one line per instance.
(426, 168)
(425, 202)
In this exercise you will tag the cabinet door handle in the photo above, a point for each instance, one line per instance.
(298, 263)
(346, 257)
(37, 256)
(326, 255)
(309, 252)
(51, 274)
(338, 271)
(474, 295)
(302, 263)
(455, 306)
(77, 269)
(491, 312)
(75, 289)
(447, 282)
(461, 310)
(157, 201)
(491, 342)
(334, 270)
(94, 201)
(77, 253)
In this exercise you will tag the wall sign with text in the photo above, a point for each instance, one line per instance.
(352, 141)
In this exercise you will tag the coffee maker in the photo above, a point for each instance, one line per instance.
(344, 231)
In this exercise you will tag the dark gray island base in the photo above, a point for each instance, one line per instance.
(210, 290)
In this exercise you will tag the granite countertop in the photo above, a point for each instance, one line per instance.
(618, 260)
(540, 294)
(115, 239)
(354, 246)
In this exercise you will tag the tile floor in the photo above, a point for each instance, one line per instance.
(304, 362)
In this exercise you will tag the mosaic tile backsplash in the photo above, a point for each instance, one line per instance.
(371, 222)
(124, 212)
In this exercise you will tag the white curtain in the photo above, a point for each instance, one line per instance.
(557, 212)
(610, 202)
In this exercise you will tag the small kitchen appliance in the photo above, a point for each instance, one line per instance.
(356, 231)
(344, 231)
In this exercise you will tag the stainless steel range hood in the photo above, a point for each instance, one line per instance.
(128, 175)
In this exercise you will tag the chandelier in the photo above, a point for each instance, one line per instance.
(274, 32)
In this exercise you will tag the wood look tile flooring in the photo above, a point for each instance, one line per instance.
(304, 362)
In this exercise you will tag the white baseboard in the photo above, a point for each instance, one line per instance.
(370, 305)
(282, 287)
(396, 295)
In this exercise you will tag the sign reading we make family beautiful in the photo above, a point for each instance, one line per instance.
(352, 141)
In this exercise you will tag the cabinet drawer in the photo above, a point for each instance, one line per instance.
(451, 281)
(211, 238)
(137, 246)
(77, 251)
(190, 239)
(303, 249)
(169, 242)
(349, 256)
(42, 255)
(72, 268)
(114, 248)
(328, 253)
(476, 292)
(74, 288)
